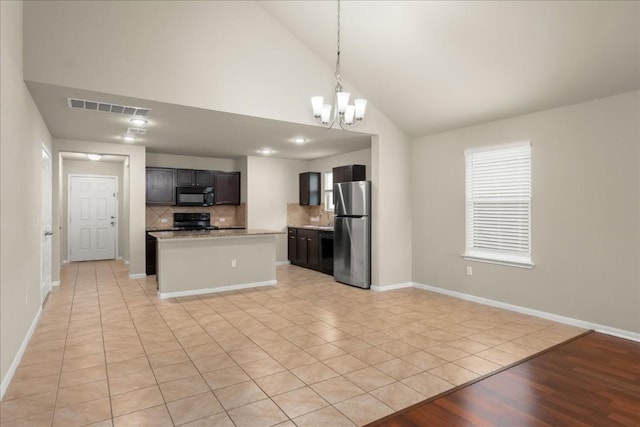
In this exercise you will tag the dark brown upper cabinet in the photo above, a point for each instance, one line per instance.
(349, 173)
(161, 186)
(310, 188)
(191, 177)
(226, 188)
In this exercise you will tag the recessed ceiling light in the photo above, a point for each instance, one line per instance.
(94, 156)
(138, 121)
(265, 151)
(129, 138)
(299, 140)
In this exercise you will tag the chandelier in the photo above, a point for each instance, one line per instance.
(344, 114)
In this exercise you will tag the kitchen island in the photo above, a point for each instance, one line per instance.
(206, 261)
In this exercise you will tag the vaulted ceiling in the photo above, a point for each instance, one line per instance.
(429, 66)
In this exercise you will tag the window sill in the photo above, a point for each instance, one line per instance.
(519, 262)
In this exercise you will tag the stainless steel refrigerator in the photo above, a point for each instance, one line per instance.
(352, 233)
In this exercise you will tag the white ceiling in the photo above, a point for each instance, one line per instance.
(430, 66)
(84, 156)
(176, 129)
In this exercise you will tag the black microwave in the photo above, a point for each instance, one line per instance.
(194, 196)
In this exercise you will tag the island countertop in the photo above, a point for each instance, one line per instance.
(212, 234)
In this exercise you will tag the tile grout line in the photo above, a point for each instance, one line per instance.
(263, 309)
(66, 337)
(126, 303)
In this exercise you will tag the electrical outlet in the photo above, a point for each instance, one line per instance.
(469, 271)
(233, 263)
(222, 219)
(164, 220)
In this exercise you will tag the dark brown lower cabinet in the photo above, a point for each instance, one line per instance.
(292, 245)
(313, 248)
(151, 246)
(305, 250)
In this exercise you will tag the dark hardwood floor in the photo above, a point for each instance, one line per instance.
(593, 380)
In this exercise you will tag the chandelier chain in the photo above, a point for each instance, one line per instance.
(337, 74)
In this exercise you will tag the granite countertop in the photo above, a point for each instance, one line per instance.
(230, 227)
(314, 227)
(212, 234)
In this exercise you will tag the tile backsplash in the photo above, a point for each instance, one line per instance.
(235, 215)
(298, 215)
(159, 217)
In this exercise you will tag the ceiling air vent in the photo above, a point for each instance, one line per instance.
(136, 131)
(84, 104)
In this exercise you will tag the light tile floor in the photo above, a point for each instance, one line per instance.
(308, 352)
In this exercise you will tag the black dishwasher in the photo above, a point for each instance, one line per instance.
(326, 252)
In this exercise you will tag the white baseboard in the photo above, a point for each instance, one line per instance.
(283, 262)
(137, 275)
(621, 333)
(214, 290)
(384, 288)
(16, 360)
(55, 283)
(47, 290)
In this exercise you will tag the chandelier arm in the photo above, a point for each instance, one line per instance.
(346, 126)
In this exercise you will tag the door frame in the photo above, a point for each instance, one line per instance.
(117, 208)
(45, 288)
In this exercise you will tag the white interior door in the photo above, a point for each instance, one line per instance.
(45, 226)
(92, 217)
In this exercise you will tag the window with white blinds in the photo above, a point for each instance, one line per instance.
(328, 192)
(498, 204)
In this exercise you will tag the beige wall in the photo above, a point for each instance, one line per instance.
(242, 167)
(22, 136)
(266, 63)
(271, 184)
(88, 167)
(585, 212)
(190, 162)
(133, 186)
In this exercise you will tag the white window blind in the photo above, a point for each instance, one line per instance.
(498, 204)
(328, 192)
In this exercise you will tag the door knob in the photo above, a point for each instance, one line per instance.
(113, 223)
